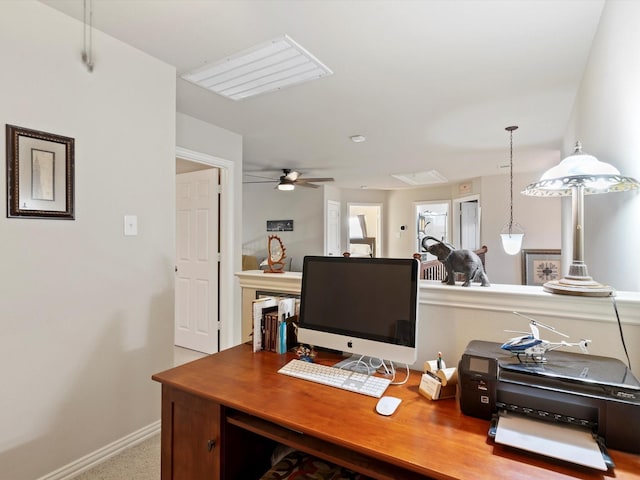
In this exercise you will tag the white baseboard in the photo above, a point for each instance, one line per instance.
(91, 460)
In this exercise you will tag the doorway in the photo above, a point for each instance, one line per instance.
(364, 229)
(197, 252)
(431, 220)
(466, 227)
(227, 326)
(332, 244)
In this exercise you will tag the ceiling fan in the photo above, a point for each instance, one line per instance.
(290, 179)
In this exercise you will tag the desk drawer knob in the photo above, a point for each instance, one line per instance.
(211, 444)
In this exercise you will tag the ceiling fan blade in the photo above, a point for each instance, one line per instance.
(306, 184)
(305, 180)
(262, 181)
(260, 176)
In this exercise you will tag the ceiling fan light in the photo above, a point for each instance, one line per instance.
(286, 186)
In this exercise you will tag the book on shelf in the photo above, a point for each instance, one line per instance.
(258, 320)
(270, 316)
(286, 310)
(274, 323)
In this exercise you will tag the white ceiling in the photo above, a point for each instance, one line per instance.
(432, 84)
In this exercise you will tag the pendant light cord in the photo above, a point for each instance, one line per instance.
(510, 130)
(511, 179)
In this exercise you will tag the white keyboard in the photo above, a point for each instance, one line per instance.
(336, 377)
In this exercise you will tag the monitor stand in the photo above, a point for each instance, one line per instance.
(362, 364)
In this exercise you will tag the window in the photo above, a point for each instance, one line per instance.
(432, 220)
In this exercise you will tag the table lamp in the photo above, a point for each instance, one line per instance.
(578, 175)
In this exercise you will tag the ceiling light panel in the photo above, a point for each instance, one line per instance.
(270, 66)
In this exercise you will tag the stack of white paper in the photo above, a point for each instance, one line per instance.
(566, 442)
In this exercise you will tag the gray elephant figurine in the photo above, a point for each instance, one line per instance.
(455, 261)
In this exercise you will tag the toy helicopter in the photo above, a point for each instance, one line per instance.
(533, 347)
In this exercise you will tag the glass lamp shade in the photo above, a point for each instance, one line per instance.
(512, 235)
(580, 170)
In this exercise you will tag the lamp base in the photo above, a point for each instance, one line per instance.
(582, 286)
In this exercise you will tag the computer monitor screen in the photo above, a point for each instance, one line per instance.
(365, 306)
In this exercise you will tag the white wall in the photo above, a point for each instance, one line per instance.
(606, 119)
(539, 217)
(451, 317)
(204, 138)
(401, 207)
(210, 139)
(304, 206)
(87, 314)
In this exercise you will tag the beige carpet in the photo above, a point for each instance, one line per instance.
(140, 462)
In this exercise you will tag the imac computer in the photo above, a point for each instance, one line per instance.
(362, 306)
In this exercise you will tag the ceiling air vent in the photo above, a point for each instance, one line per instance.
(421, 178)
(270, 66)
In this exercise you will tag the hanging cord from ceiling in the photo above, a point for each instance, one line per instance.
(87, 53)
(510, 130)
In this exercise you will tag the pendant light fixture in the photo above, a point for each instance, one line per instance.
(512, 233)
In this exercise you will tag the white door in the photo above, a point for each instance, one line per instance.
(332, 240)
(469, 225)
(196, 286)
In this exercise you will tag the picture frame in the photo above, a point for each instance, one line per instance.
(540, 266)
(40, 174)
(279, 225)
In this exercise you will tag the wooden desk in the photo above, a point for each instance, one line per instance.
(222, 414)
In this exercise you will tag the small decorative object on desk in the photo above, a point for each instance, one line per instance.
(306, 353)
(438, 381)
(275, 255)
(457, 261)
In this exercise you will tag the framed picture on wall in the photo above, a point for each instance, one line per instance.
(40, 174)
(540, 266)
(279, 225)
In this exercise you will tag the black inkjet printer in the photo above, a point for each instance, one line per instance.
(598, 393)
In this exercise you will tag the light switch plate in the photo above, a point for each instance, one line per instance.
(130, 225)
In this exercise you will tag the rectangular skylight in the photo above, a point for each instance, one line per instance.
(421, 178)
(270, 66)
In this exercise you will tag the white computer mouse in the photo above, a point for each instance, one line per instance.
(387, 405)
